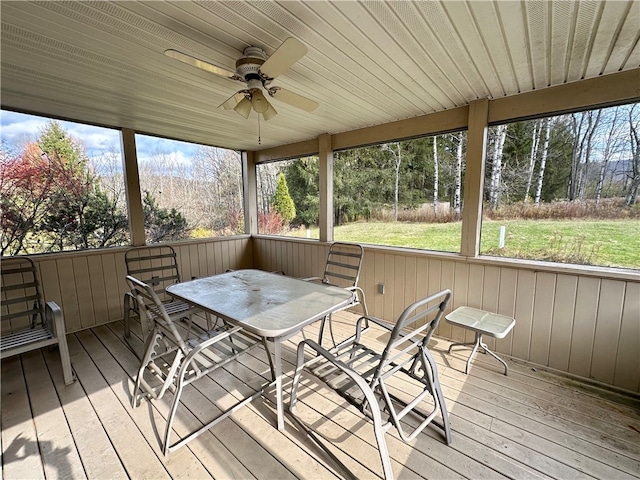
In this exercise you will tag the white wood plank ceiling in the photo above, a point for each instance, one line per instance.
(368, 62)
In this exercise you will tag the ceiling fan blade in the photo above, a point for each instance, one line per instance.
(232, 101)
(189, 60)
(286, 55)
(293, 99)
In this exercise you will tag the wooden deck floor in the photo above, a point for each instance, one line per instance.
(530, 424)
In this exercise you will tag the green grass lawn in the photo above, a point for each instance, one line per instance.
(613, 243)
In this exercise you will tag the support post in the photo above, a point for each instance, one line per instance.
(250, 197)
(132, 184)
(325, 157)
(474, 177)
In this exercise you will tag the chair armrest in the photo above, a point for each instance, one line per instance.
(54, 318)
(377, 321)
(312, 279)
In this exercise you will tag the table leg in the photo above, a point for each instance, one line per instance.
(475, 344)
(478, 343)
(277, 353)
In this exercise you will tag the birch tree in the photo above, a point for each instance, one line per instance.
(435, 175)
(543, 160)
(535, 140)
(496, 170)
(457, 179)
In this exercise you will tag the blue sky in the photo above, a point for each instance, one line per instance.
(18, 128)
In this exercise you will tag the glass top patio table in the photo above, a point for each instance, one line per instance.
(270, 305)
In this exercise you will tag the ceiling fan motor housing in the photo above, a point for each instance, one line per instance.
(248, 67)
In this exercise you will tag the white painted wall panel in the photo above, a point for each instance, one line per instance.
(607, 333)
(562, 322)
(584, 324)
(627, 373)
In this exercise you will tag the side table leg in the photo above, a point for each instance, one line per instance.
(473, 352)
(475, 344)
(506, 368)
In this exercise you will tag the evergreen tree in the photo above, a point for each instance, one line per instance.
(282, 201)
(162, 224)
(303, 178)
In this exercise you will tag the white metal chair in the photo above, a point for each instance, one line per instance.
(342, 269)
(28, 323)
(170, 362)
(388, 385)
(157, 267)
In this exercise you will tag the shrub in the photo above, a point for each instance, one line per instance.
(606, 209)
(271, 223)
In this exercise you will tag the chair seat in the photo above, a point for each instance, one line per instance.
(177, 309)
(23, 341)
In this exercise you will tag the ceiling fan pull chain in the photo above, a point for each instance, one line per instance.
(259, 140)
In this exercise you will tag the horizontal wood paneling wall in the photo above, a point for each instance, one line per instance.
(89, 286)
(574, 323)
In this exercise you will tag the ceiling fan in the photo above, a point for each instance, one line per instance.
(257, 71)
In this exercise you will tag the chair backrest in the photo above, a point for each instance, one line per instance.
(155, 266)
(413, 330)
(22, 304)
(152, 307)
(344, 262)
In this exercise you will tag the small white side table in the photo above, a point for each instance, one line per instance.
(482, 323)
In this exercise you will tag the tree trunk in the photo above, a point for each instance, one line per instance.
(535, 140)
(593, 126)
(435, 175)
(458, 178)
(496, 171)
(635, 159)
(397, 157)
(543, 160)
(577, 122)
(611, 146)
(396, 195)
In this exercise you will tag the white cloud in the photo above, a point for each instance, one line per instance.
(172, 158)
(18, 128)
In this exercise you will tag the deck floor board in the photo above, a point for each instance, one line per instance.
(530, 424)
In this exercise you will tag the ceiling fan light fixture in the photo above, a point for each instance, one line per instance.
(269, 113)
(259, 102)
(244, 107)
